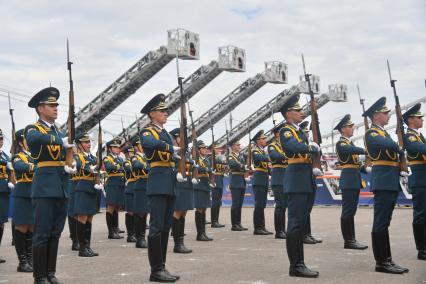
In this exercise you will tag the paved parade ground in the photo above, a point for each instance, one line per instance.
(235, 257)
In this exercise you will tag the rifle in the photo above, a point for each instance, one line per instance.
(125, 135)
(71, 113)
(366, 125)
(182, 131)
(14, 147)
(399, 124)
(213, 158)
(316, 135)
(99, 154)
(227, 143)
(194, 150)
(248, 158)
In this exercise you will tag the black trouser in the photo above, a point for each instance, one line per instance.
(350, 198)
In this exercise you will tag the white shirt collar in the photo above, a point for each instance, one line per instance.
(48, 123)
(161, 127)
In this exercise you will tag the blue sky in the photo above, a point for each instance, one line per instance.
(343, 42)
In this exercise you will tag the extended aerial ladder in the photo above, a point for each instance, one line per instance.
(259, 116)
(231, 58)
(336, 93)
(275, 72)
(136, 76)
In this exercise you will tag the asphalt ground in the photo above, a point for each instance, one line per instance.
(235, 257)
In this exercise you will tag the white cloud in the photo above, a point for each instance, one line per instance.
(343, 41)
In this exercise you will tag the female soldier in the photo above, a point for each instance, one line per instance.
(140, 200)
(23, 216)
(85, 194)
(113, 164)
(5, 187)
(202, 192)
(184, 202)
(128, 193)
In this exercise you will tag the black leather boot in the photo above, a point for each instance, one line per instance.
(130, 225)
(294, 244)
(29, 247)
(21, 251)
(158, 273)
(40, 264)
(52, 254)
(178, 226)
(1, 236)
(88, 236)
(118, 230)
(278, 224)
(383, 263)
(308, 238)
(140, 229)
(204, 226)
(420, 239)
(234, 224)
(81, 234)
(112, 234)
(199, 224)
(72, 225)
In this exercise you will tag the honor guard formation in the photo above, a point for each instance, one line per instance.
(157, 176)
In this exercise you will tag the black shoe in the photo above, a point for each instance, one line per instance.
(75, 245)
(421, 255)
(21, 248)
(260, 232)
(161, 276)
(387, 267)
(84, 252)
(419, 231)
(141, 243)
(216, 224)
(131, 239)
(114, 236)
(404, 270)
(1, 236)
(353, 244)
(308, 240)
(268, 232)
(2, 260)
(117, 233)
(300, 270)
(130, 227)
(202, 238)
(172, 275)
(81, 235)
(280, 235)
(236, 228)
(242, 228)
(316, 240)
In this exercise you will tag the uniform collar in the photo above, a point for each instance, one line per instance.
(414, 130)
(378, 126)
(158, 126)
(48, 124)
(345, 138)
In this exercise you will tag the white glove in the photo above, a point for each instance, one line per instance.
(70, 170)
(247, 179)
(247, 168)
(180, 178)
(9, 166)
(10, 185)
(93, 168)
(176, 156)
(226, 175)
(99, 186)
(194, 181)
(368, 169)
(315, 146)
(176, 148)
(404, 174)
(317, 172)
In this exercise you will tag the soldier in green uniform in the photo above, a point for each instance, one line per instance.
(237, 185)
(129, 151)
(85, 194)
(350, 181)
(184, 201)
(23, 215)
(49, 186)
(158, 147)
(217, 189)
(415, 143)
(202, 199)
(140, 200)
(299, 184)
(279, 165)
(5, 187)
(385, 184)
(308, 238)
(260, 183)
(114, 187)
